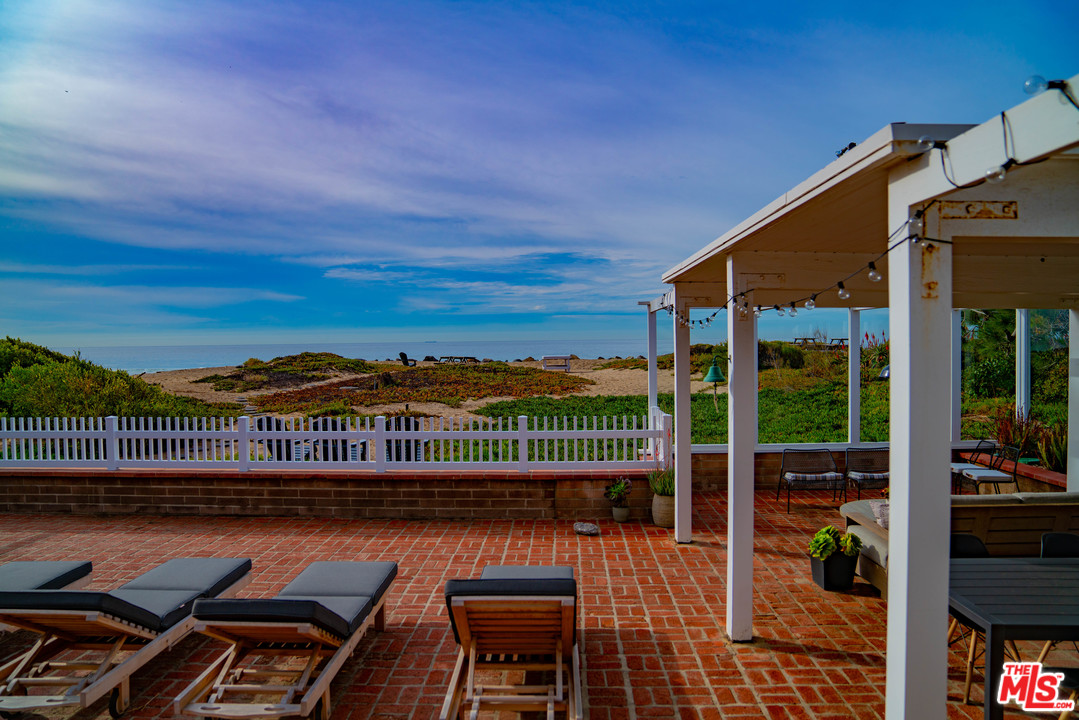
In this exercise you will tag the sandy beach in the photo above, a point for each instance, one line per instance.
(606, 382)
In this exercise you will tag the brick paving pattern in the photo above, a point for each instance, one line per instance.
(651, 612)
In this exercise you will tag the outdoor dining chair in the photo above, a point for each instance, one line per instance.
(809, 470)
(965, 545)
(867, 468)
(1001, 470)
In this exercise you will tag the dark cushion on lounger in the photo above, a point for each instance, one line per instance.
(523, 586)
(341, 616)
(166, 609)
(209, 576)
(42, 575)
(336, 596)
(157, 599)
(533, 572)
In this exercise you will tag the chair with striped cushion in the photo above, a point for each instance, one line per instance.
(809, 470)
(867, 468)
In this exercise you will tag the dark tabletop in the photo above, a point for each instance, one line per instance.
(1024, 598)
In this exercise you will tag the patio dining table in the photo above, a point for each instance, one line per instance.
(1014, 599)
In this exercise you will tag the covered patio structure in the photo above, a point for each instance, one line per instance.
(953, 216)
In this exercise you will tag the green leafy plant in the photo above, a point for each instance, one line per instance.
(1053, 447)
(661, 481)
(829, 540)
(618, 492)
(1010, 429)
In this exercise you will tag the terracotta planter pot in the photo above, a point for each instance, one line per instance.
(620, 514)
(663, 510)
(836, 572)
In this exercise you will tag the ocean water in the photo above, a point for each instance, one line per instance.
(156, 358)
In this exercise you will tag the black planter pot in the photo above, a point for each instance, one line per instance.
(835, 573)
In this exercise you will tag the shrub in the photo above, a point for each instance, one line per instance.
(829, 539)
(991, 377)
(618, 492)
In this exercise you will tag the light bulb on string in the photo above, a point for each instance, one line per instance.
(844, 293)
(874, 274)
(793, 311)
(811, 302)
(757, 311)
(1035, 84)
(779, 310)
(742, 311)
(996, 174)
(915, 224)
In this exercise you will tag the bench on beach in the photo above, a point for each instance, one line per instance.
(457, 359)
(556, 362)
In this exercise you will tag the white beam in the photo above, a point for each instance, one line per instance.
(957, 376)
(854, 376)
(920, 288)
(741, 445)
(653, 385)
(683, 465)
(1022, 363)
(1073, 401)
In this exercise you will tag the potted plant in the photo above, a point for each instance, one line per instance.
(661, 481)
(618, 493)
(834, 557)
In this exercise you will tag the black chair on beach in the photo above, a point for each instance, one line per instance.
(406, 362)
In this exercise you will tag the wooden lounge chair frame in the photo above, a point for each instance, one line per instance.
(521, 633)
(124, 648)
(303, 691)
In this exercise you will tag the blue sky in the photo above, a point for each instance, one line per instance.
(248, 172)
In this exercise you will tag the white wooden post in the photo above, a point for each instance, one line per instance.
(379, 449)
(957, 376)
(653, 382)
(243, 444)
(112, 443)
(683, 443)
(1073, 401)
(1022, 363)
(920, 299)
(522, 443)
(854, 376)
(741, 447)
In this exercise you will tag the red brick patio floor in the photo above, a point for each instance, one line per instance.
(651, 613)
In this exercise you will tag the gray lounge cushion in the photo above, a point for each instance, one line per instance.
(522, 580)
(531, 572)
(988, 499)
(336, 596)
(1047, 498)
(144, 601)
(42, 574)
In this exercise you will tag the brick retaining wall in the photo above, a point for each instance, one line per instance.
(397, 494)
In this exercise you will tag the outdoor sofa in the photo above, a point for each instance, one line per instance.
(1010, 525)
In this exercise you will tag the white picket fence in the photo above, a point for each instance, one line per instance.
(341, 443)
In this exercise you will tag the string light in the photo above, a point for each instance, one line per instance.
(874, 274)
(811, 302)
(793, 311)
(844, 293)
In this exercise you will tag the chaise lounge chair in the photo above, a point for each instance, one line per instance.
(128, 627)
(319, 617)
(45, 575)
(515, 618)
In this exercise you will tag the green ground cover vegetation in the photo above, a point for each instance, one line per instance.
(287, 371)
(38, 382)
